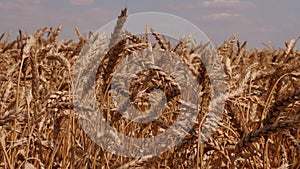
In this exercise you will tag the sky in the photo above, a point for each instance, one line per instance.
(257, 21)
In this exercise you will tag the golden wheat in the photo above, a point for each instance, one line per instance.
(39, 128)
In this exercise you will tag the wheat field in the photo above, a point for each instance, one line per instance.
(39, 127)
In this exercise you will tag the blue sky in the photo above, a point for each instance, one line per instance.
(256, 21)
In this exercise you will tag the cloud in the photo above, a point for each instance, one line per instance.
(215, 4)
(264, 29)
(220, 16)
(81, 2)
(29, 1)
(226, 4)
(98, 11)
(19, 5)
